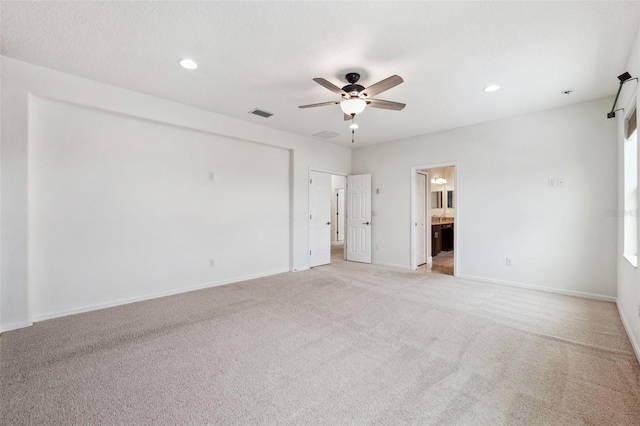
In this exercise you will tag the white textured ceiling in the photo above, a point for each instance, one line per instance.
(265, 54)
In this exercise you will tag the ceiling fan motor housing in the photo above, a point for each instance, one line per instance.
(352, 88)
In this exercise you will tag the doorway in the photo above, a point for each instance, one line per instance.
(339, 217)
(326, 217)
(338, 187)
(433, 210)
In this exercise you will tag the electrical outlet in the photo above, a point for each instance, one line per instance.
(374, 213)
(509, 262)
(212, 263)
(377, 247)
(553, 182)
(212, 176)
(560, 182)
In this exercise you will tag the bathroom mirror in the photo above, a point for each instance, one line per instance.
(436, 200)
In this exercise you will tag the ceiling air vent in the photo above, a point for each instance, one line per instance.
(326, 134)
(261, 113)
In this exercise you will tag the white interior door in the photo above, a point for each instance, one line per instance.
(340, 214)
(420, 223)
(358, 245)
(319, 218)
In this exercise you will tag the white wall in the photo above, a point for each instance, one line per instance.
(338, 182)
(121, 208)
(102, 103)
(628, 283)
(558, 239)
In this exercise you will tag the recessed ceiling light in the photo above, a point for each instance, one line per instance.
(188, 64)
(491, 88)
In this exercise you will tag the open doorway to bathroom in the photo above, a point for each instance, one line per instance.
(434, 219)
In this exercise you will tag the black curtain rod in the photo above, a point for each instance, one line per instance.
(624, 77)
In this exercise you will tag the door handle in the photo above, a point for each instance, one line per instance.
(366, 223)
(328, 223)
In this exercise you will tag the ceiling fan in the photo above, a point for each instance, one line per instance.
(355, 97)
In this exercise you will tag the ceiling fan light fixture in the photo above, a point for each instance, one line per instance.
(354, 126)
(353, 106)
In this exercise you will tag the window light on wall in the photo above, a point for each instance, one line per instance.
(630, 224)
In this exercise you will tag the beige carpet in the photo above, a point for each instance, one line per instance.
(340, 344)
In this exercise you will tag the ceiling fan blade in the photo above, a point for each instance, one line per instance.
(320, 104)
(378, 103)
(347, 117)
(328, 85)
(381, 86)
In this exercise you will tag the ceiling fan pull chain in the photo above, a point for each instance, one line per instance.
(353, 127)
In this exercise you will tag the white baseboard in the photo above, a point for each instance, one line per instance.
(391, 265)
(15, 326)
(627, 328)
(539, 288)
(73, 311)
(304, 268)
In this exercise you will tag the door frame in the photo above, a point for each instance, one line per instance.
(414, 172)
(427, 219)
(313, 169)
(339, 213)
